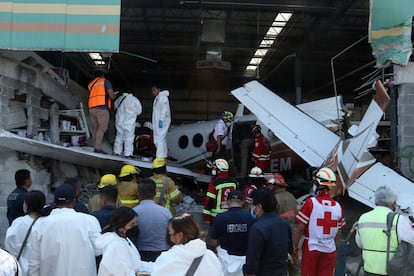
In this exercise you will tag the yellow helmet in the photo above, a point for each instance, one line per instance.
(128, 170)
(106, 180)
(159, 162)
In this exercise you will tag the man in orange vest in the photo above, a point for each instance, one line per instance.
(101, 95)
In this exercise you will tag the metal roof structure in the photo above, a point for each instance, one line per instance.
(173, 43)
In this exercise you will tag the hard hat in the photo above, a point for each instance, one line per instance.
(256, 172)
(256, 128)
(227, 115)
(128, 170)
(106, 180)
(148, 125)
(326, 177)
(159, 162)
(221, 164)
(276, 179)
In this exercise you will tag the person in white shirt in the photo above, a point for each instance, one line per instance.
(120, 256)
(184, 234)
(221, 134)
(8, 264)
(161, 120)
(33, 204)
(127, 108)
(63, 243)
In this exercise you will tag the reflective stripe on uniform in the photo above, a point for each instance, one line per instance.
(174, 193)
(211, 195)
(288, 214)
(129, 201)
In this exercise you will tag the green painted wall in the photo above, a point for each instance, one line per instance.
(64, 25)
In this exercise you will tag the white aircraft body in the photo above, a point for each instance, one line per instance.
(358, 170)
(186, 142)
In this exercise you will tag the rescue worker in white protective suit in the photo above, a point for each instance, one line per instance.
(63, 243)
(127, 108)
(161, 120)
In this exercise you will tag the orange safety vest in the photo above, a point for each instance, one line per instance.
(97, 94)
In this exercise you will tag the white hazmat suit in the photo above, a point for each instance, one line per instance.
(14, 240)
(127, 107)
(177, 260)
(120, 256)
(63, 244)
(161, 120)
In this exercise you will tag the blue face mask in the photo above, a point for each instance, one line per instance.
(252, 212)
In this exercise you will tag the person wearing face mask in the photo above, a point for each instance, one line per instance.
(119, 255)
(320, 221)
(16, 233)
(270, 239)
(64, 243)
(217, 191)
(189, 254)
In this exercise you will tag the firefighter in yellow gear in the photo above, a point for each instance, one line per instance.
(167, 192)
(128, 186)
(106, 180)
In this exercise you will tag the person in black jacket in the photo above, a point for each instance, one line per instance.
(270, 239)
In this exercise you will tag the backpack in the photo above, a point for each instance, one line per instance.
(402, 263)
(211, 145)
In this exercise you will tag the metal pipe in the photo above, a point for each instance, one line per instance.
(138, 56)
(334, 80)
(277, 66)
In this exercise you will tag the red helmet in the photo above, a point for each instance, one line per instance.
(275, 179)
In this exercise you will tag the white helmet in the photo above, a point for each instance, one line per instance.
(256, 172)
(221, 164)
(326, 177)
(148, 125)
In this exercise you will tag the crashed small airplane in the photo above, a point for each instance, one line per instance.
(359, 172)
(186, 142)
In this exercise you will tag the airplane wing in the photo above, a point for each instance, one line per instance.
(296, 129)
(363, 188)
(80, 156)
(355, 154)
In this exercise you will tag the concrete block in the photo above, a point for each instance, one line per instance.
(13, 119)
(4, 100)
(404, 74)
(407, 131)
(407, 108)
(37, 111)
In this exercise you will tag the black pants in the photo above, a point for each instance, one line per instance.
(149, 256)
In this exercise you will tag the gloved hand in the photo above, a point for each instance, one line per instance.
(295, 256)
(159, 124)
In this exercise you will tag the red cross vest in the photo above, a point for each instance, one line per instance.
(324, 225)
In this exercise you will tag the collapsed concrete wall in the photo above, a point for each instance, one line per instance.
(32, 98)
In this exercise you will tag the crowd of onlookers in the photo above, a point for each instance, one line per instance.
(131, 227)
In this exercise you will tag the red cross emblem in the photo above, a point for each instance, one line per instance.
(327, 223)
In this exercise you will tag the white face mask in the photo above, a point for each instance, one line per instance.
(252, 213)
(228, 124)
(213, 172)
